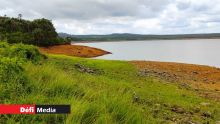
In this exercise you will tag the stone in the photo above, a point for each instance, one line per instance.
(207, 114)
(196, 109)
(195, 72)
(205, 104)
(178, 109)
(185, 86)
(84, 69)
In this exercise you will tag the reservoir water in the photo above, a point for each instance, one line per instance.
(199, 51)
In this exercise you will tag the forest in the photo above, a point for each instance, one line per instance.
(40, 32)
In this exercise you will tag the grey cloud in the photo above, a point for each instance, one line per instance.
(113, 16)
(182, 5)
(89, 9)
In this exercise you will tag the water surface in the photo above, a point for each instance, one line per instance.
(200, 51)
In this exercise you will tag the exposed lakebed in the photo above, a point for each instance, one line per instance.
(194, 51)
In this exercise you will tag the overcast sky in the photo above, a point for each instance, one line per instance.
(121, 16)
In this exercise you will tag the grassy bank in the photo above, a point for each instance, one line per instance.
(99, 91)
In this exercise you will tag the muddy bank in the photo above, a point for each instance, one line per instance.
(203, 79)
(74, 50)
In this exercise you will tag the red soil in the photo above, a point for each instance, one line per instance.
(204, 79)
(74, 50)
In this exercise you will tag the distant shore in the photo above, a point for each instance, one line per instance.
(182, 39)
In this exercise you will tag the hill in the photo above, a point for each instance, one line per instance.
(127, 36)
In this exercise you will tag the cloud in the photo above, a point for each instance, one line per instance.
(119, 16)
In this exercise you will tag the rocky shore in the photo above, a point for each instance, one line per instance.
(203, 79)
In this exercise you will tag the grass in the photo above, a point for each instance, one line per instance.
(112, 93)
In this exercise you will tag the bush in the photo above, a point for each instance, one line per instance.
(3, 44)
(13, 81)
(3, 48)
(10, 70)
(21, 51)
(26, 52)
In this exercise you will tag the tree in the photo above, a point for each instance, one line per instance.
(19, 16)
(37, 32)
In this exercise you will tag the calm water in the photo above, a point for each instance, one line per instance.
(201, 51)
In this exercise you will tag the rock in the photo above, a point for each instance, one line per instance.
(205, 104)
(173, 123)
(190, 122)
(136, 98)
(143, 73)
(196, 89)
(186, 120)
(178, 109)
(196, 109)
(166, 105)
(194, 79)
(205, 80)
(207, 114)
(84, 69)
(195, 72)
(157, 105)
(185, 86)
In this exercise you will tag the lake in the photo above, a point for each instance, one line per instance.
(199, 51)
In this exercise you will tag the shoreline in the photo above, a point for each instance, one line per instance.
(74, 50)
(205, 80)
(201, 78)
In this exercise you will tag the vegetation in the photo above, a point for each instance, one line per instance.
(99, 91)
(126, 36)
(39, 32)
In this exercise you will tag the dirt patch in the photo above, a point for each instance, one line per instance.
(74, 50)
(203, 79)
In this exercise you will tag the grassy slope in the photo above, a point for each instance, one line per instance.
(116, 95)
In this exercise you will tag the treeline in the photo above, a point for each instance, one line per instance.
(133, 37)
(40, 32)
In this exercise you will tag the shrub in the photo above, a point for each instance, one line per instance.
(4, 47)
(4, 44)
(26, 52)
(13, 80)
(10, 70)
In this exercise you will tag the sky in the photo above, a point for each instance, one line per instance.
(121, 16)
